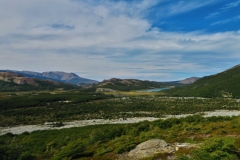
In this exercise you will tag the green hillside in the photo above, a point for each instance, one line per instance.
(224, 84)
(132, 84)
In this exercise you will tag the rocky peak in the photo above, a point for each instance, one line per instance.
(59, 75)
(189, 80)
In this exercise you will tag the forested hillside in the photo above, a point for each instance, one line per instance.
(224, 84)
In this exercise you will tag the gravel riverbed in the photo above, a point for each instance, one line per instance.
(81, 123)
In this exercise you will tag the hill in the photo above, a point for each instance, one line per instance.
(132, 84)
(64, 77)
(15, 82)
(224, 84)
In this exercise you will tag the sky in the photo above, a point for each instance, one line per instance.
(158, 40)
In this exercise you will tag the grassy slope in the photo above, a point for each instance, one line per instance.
(225, 84)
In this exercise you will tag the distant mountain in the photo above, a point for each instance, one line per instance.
(16, 78)
(68, 78)
(14, 82)
(55, 76)
(131, 84)
(189, 80)
(224, 84)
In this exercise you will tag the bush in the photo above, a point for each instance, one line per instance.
(72, 150)
(217, 149)
(26, 156)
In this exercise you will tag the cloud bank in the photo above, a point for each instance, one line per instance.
(105, 39)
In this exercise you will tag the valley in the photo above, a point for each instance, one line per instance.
(120, 80)
(109, 119)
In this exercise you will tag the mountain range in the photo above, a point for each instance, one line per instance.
(29, 78)
(14, 82)
(64, 77)
(135, 84)
(224, 84)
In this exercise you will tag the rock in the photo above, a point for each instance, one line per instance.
(184, 146)
(150, 148)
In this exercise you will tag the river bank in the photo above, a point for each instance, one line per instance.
(82, 123)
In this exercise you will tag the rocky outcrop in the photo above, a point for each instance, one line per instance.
(189, 80)
(105, 90)
(150, 148)
(153, 147)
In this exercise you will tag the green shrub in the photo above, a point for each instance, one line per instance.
(27, 156)
(75, 149)
(216, 149)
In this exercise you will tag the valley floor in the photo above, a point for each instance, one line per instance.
(82, 123)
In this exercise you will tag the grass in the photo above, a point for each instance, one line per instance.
(135, 93)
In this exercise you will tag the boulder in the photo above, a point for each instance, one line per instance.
(150, 148)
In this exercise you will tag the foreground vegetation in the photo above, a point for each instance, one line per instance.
(217, 138)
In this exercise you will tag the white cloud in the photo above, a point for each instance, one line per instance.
(231, 5)
(214, 14)
(186, 6)
(224, 9)
(226, 21)
(107, 39)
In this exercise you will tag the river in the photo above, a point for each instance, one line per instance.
(153, 90)
(81, 123)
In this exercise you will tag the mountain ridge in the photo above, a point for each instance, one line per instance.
(14, 82)
(132, 84)
(58, 76)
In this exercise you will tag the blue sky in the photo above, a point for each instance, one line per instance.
(159, 40)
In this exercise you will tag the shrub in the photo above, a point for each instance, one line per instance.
(216, 149)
